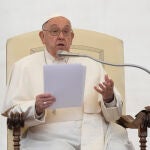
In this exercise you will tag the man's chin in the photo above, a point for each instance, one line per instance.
(61, 48)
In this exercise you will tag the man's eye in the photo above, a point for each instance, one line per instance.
(65, 31)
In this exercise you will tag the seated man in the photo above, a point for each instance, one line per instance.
(90, 128)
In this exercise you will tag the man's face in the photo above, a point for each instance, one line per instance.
(57, 35)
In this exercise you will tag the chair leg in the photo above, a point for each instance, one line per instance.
(16, 134)
(15, 122)
(142, 132)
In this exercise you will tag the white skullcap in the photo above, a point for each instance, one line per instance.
(45, 19)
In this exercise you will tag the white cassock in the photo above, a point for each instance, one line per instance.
(91, 127)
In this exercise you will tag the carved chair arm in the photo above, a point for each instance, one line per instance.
(141, 122)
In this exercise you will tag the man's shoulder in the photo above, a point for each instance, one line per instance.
(31, 59)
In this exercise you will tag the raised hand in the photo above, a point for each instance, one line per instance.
(106, 89)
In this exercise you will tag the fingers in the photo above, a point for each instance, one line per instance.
(47, 104)
(45, 98)
(43, 101)
(108, 81)
(105, 88)
(98, 89)
(107, 85)
(45, 95)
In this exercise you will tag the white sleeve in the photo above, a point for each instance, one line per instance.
(111, 104)
(113, 111)
(19, 97)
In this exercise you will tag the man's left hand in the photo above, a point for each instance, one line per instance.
(106, 89)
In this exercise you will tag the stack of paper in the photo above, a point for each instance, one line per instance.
(66, 82)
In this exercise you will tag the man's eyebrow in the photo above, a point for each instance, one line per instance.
(68, 26)
(45, 25)
(53, 25)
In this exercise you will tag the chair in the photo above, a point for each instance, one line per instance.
(94, 44)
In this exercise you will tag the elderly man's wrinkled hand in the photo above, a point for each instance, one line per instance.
(106, 89)
(43, 101)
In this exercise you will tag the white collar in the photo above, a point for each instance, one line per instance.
(50, 59)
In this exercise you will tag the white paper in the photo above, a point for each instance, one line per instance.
(66, 82)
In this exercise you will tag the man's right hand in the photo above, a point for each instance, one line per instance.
(43, 101)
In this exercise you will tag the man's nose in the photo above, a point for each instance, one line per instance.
(61, 35)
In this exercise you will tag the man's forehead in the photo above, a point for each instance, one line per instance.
(58, 21)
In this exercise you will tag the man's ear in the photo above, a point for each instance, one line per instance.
(72, 35)
(41, 35)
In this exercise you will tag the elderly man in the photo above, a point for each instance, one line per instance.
(90, 128)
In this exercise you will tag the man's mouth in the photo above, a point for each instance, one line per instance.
(60, 44)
